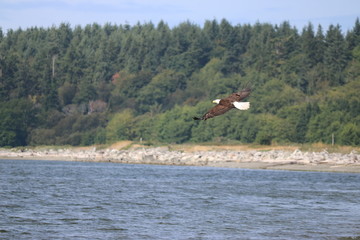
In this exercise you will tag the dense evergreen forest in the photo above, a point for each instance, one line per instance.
(99, 84)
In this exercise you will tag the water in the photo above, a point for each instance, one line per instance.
(77, 200)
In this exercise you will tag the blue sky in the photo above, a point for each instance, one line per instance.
(46, 13)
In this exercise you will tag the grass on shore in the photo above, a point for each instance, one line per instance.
(315, 147)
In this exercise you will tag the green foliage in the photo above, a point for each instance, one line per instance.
(271, 129)
(336, 56)
(62, 84)
(175, 125)
(9, 138)
(161, 86)
(75, 129)
(350, 135)
(17, 117)
(66, 93)
(86, 93)
(119, 127)
(275, 95)
(297, 117)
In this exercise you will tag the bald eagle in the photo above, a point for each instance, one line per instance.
(228, 103)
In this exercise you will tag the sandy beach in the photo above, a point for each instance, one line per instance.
(212, 156)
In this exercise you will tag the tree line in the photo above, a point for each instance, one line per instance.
(99, 84)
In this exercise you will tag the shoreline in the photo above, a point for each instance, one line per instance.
(247, 159)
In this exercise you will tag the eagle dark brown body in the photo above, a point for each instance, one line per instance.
(226, 104)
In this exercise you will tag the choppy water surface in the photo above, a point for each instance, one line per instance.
(77, 200)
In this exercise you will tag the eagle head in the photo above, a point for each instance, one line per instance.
(216, 101)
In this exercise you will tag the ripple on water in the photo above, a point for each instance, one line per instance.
(68, 200)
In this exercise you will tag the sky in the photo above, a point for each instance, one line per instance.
(23, 14)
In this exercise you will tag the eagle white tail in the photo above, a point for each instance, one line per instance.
(242, 105)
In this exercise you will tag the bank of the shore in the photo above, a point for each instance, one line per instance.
(249, 159)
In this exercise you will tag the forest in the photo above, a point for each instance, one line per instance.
(96, 84)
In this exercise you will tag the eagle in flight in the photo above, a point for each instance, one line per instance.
(228, 103)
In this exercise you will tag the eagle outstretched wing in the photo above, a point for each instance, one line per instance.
(239, 96)
(215, 111)
(227, 104)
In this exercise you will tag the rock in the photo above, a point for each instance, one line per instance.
(162, 155)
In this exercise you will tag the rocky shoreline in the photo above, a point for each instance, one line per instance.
(252, 159)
